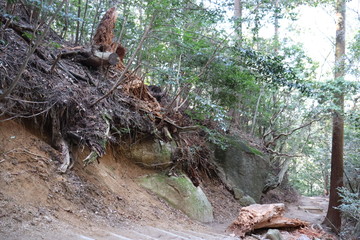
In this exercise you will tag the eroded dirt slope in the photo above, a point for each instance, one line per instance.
(36, 200)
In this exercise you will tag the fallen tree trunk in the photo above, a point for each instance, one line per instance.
(259, 216)
(281, 222)
(97, 59)
(90, 58)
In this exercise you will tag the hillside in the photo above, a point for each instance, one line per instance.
(37, 201)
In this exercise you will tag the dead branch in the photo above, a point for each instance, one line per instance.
(25, 151)
(95, 154)
(281, 154)
(65, 153)
(290, 132)
(92, 58)
(119, 81)
(272, 119)
(58, 139)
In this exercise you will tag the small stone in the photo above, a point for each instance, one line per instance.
(273, 234)
(238, 193)
(48, 219)
(303, 237)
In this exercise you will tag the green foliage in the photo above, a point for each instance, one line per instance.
(350, 205)
(29, 35)
(353, 60)
(205, 109)
(271, 69)
(217, 138)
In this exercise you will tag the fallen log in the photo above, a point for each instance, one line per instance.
(90, 58)
(281, 222)
(97, 59)
(258, 216)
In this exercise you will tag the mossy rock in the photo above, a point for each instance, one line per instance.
(240, 144)
(151, 153)
(181, 194)
(246, 201)
(242, 167)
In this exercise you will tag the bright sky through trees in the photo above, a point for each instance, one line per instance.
(314, 29)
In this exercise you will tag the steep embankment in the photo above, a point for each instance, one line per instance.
(37, 201)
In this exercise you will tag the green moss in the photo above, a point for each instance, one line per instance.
(180, 193)
(244, 146)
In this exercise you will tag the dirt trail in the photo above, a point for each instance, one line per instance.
(310, 209)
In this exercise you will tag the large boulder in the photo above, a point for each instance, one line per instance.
(181, 194)
(243, 167)
(151, 153)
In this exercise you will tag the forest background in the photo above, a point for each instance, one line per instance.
(261, 69)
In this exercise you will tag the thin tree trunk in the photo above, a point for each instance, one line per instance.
(123, 29)
(257, 26)
(96, 19)
(333, 216)
(238, 11)
(276, 26)
(83, 23)
(78, 23)
(66, 26)
(256, 110)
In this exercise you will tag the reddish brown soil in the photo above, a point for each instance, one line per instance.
(35, 199)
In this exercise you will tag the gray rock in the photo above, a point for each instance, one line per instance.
(246, 201)
(238, 193)
(151, 153)
(243, 167)
(303, 237)
(273, 234)
(181, 194)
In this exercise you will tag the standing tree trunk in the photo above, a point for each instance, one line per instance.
(66, 23)
(276, 26)
(83, 23)
(95, 18)
(333, 216)
(78, 23)
(238, 8)
(256, 110)
(238, 22)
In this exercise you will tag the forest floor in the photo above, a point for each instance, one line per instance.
(101, 201)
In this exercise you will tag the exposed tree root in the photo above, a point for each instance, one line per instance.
(65, 156)
(95, 154)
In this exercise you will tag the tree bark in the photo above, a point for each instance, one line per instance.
(78, 23)
(83, 23)
(238, 9)
(258, 216)
(276, 26)
(333, 217)
(256, 110)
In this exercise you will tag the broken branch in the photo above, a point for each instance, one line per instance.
(118, 82)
